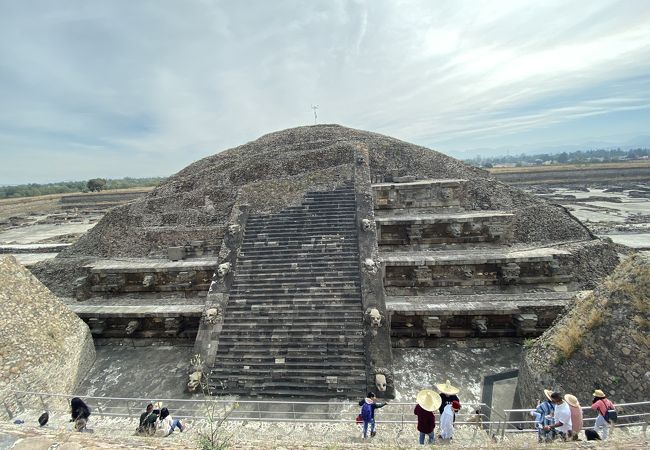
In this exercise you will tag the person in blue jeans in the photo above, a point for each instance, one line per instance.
(368, 406)
(166, 424)
(427, 402)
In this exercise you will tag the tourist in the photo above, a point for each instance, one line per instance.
(165, 424)
(79, 413)
(543, 417)
(604, 407)
(561, 416)
(447, 420)
(368, 406)
(148, 421)
(448, 394)
(427, 402)
(576, 415)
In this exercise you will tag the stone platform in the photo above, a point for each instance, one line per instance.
(419, 272)
(189, 277)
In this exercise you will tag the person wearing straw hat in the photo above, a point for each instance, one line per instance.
(447, 395)
(561, 416)
(602, 405)
(427, 402)
(544, 416)
(576, 415)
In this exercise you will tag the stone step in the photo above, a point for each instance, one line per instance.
(315, 329)
(345, 219)
(323, 293)
(293, 357)
(329, 255)
(278, 349)
(270, 316)
(247, 286)
(294, 353)
(249, 344)
(322, 278)
(294, 288)
(296, 308)
(249, 378)
(314, 212)
(333, 364)
(311, 242)
(299, 391)
(298, 297)
(270, 388)
(331, 207)
(271, 274)
(303, 229)
(285, 266)
(304, 249)
(297, 280)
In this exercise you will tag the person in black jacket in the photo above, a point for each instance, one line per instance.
(447, 395)
(79, 412)
(148, 421)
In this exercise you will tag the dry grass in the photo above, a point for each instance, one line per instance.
(588, 313)
(628, 286)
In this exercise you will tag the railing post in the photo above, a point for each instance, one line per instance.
(259, 412)
(293, 410)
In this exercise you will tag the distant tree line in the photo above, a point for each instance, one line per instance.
(95, 184)
(578, 157)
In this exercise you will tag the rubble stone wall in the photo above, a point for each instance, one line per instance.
(601, 342)
(44, 347)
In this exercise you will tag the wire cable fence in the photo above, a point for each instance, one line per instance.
(238, 410)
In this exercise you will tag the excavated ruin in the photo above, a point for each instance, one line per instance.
(291, 261)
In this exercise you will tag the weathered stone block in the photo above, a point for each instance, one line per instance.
(176, 253)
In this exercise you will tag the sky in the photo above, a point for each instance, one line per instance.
(142, 88)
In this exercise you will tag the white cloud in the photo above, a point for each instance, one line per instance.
(174, 81)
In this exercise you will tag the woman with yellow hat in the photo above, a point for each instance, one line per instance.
(427, 402)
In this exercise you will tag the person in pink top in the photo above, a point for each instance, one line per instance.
(576, 415)
(601, 404)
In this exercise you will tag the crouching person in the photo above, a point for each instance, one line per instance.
(166, 424)
(148, 421)
(79, 413)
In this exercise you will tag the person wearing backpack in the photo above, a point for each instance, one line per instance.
(368, 406)
(606, 413)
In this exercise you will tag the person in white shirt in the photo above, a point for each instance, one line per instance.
(561, 416)
(165, 424)
(447, 420)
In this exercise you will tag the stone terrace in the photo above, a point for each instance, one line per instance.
(455, 273)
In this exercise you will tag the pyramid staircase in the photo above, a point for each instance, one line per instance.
(293, 322)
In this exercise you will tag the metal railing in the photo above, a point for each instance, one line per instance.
(398, 413)
(629, 414)
(249, 410)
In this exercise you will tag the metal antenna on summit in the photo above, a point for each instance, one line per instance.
(315, 107)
